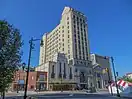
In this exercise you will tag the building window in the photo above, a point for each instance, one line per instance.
(62, 31)
(53, 72)
(80, 57)
(74, 22)
(60, 67)
(87, 57)
(32, 77)
(68, 31)
(70, 76)
(75, 46)
(69, 56)
(67, 18)
(68, 22)
(75, 35)
(84, 26)
(77, 18)
(68, 51)
(82, 77)
(74, 26)
(32, 87)
(76, 70)
(62, 49)
(78, 23)
(62, 39)
(68, 27)
(76, 56)
(84, 30)
(90, 72)
(70, 62)
(53, 67)
(75, 40)
(82, 39)
(60, 73)
(81, 29)
(78, 41)
(68, 46)
(62, 27)
(63, 44)
(68, 41)
(64, 76)
(83, 21)
(75, 31)
(62, 35)
(74, 16)
(78, 28)
(68, 36)
(80, 20)
(78, 37)
(41, 77)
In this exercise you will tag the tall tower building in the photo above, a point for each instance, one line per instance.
(69, 37)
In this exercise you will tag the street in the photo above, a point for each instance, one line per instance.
(65, 95)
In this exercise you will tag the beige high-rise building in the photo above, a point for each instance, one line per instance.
(69, 37)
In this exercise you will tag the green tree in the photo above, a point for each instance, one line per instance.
(128, 79)
(10, 54)
(125, 78)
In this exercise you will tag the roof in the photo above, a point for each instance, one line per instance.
(128, 73)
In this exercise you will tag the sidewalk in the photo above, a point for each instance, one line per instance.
(21, 93)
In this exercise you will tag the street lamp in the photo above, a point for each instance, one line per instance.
(112, 61)
(29, 58)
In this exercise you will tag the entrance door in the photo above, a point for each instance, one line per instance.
(99, 85)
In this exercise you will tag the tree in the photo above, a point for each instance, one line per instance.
(10, 54)
(125, 78)
(128, 79)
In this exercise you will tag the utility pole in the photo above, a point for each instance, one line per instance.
(29, 58)
(112, 61)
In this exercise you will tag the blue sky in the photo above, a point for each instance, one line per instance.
(109, 25)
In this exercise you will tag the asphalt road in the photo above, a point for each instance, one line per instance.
(69, 96)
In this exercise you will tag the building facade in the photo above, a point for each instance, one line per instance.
(60, 74)
(70, 37)
(129, 75)
(36, 81)
(102, 70)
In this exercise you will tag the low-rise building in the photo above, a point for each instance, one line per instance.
(129, 75)
(37, 80)
(60, 74)
(102, 70)
(66, 76)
